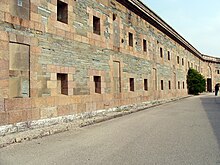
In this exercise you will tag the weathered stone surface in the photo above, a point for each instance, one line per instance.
(24, 131)
(48, 67)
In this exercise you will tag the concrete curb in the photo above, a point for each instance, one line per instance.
(30, 134)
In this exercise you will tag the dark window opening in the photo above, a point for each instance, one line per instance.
(144, 45)
(168, 55)
(145, 85)
(96, 25)
(131, 84)
(183, 85)
(218, 72)
(178, 59)
(178, 85)
(114, 17)
(209, 84)
(169, 84)
(130, 35)
(62, 12)
(182, 61)
(161, 52)
(62, 83)
(161, 82)
(97, 80)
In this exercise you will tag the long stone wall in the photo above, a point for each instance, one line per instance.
(64, 57)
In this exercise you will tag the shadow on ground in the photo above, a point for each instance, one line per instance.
(211, 106)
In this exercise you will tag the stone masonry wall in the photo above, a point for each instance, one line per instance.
(68, 62)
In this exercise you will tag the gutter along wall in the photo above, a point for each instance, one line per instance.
(69, 57)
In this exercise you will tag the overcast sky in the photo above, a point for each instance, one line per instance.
(198, 21)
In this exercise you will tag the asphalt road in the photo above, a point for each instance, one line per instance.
(186, 132)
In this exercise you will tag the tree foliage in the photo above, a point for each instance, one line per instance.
(195, 82)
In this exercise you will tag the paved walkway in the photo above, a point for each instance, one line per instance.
(186, 132)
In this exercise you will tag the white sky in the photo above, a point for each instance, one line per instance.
(198, 21)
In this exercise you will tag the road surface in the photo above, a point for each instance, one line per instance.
(185, 132)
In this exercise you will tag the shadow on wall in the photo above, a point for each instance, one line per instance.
(212, 108)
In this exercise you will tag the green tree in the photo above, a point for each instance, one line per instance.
(195, 82)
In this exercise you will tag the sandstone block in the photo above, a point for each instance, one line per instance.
(52, 84)
(48, 112)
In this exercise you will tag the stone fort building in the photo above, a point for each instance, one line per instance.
(68, 57)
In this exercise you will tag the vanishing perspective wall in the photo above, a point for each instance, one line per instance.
(64, 57)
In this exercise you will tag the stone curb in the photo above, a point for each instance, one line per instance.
(19, 137)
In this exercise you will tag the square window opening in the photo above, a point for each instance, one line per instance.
(62, 12)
